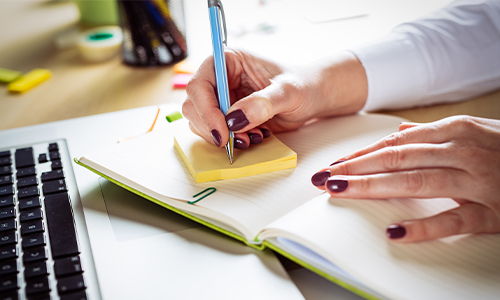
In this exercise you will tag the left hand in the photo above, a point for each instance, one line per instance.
(456, 157)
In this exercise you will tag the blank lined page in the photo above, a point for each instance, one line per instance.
(351, 234)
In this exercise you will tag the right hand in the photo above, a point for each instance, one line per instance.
(264, 98)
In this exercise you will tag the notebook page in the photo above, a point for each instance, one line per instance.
(351, 234)
(251, 202)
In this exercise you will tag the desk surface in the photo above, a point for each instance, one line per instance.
(80, 89)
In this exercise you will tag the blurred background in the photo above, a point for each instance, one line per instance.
(109, 55)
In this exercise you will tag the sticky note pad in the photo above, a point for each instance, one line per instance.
(185, 67)
(205, 162)
(7, 75)
(29, 80)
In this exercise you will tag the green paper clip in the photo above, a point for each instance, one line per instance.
(174, 116)
(207, 192)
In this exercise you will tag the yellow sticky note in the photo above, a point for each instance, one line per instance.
(185, 67)
(29, 80)
(205, 162)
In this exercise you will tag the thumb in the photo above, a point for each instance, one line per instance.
(258, 107)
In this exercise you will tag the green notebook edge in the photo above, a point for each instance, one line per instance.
(259, 247)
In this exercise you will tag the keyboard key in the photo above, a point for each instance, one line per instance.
(28, 203)
(39, 296)
(6, 190)
(27, 181)
(5, 153)
(24, 157)
(54, 186)
(5, 161)
(8, 283)
(9, 224)
(42, 158)
(7, 212)
(35, 269)
(56, 164)
(52, 175)
(54, 155)
(29, 215)
(53, 147)
(28, 192)
(67, 266)
(23, 172)
(32, 227)
(34, 254)
(37, 285)
(69, 284)
(8, 267)
(60, 224)
(8, 252)
(5, 170)
(32, 240)
(8, 237)
(7, 201)
(6, 180)
(13, 295)
(80, 295)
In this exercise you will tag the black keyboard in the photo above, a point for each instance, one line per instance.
(39, 254)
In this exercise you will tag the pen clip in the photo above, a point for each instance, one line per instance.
(218, 3)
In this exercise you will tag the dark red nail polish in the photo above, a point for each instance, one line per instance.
(265, 132)
(320, 178)
(216, 137)
(395, 231)
(236, 120)
(337, 185)
(240, 144)
(337, 162)
(255, 138)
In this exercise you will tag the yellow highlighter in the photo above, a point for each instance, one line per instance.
(29, 80)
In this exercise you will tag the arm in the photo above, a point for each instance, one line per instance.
(453, 54)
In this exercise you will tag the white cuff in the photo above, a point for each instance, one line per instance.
(397, 76)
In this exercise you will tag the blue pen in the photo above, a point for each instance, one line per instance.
(219, 40)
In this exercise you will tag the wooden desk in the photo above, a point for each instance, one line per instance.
(81, 89)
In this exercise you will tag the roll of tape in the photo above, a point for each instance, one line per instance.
(100, 43)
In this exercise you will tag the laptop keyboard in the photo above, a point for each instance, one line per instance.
(39, 255)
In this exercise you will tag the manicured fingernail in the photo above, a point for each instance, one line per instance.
(337, 185)
(395, 231)
(320, 178)
(265, 132)
(240, 144)
(337, 162)
(255, 138)
(236, 120)
(216, 137)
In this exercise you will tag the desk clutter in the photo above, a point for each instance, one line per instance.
(17, 82)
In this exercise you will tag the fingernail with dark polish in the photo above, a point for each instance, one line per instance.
(216, 137)
(265, 132)
(337, 185)
(255, 138)
(337, 162)
(395, 231)
(236, 120)
(240, 144)
(320, 178)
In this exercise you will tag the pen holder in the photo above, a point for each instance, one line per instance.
(151, 37)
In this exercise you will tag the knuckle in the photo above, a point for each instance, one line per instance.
(415, 182)
(392, 158)
(187, 107)
(456, 222)
(464, 123)
(394, 139)
(364, 184)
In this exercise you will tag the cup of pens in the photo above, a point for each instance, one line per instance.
(150, 35)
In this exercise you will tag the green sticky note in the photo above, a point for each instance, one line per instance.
(174, 117)
(7, 75)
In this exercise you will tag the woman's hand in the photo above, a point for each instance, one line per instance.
(266, 98)
(457, 157)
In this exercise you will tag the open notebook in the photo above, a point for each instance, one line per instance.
(342, 240)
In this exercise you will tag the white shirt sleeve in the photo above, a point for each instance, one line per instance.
(453, 54)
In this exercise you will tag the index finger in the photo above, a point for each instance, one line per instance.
(201, 90)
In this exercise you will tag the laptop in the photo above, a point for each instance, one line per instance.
(66, 233)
